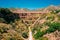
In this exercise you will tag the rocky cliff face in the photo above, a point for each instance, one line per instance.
(53, 36)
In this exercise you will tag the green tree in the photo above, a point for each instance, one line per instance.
(7, 15)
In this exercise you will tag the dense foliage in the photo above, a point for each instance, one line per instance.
(7, 15)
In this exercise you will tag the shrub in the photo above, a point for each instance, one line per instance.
(43, 38)
(53, 26)
(25, 35)
(38, 34)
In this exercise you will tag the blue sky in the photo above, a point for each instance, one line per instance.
(31, 4)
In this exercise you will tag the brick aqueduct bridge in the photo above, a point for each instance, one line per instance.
(23, 14)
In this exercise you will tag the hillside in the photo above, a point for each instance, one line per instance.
(15, 23)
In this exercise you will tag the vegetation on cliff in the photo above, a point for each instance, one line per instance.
(12, 27)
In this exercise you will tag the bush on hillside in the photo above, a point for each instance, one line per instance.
(7, 15)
